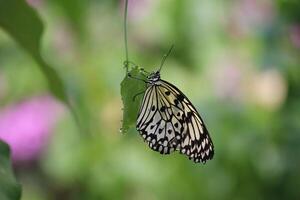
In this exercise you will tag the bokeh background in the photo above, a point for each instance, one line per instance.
(237, 60)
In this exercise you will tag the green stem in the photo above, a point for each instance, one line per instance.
(125, 36)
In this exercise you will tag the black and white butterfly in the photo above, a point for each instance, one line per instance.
(168, 121)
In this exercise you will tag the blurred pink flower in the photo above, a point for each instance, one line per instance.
(27, 126)
(295, 35)
(248, 15)
(138, 9)
(268, 89)
(64, 41)
(35, 3)
(228, 79)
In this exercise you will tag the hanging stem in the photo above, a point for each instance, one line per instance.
(125, 36)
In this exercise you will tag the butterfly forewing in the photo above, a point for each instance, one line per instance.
(155, 127)
(168, 121)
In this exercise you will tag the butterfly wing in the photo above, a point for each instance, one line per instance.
(196, 142)
(156, 129)
(168, 121)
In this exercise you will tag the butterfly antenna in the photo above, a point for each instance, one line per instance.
(165, 57)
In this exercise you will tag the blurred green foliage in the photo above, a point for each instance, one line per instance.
(9, 188)
(26, 28)
(238, 61)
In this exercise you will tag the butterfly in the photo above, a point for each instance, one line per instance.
(168, 121)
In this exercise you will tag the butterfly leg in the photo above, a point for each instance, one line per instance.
(144, 71)
(137, 78)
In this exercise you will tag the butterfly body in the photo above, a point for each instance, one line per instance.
(168, 121)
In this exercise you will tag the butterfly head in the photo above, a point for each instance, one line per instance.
(153, 77)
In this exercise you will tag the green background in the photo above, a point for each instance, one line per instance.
(237, 61)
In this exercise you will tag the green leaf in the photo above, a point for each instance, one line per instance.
(9, 188)
(23, 24)
(129, 88)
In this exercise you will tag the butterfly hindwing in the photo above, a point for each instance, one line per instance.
(196, 142)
